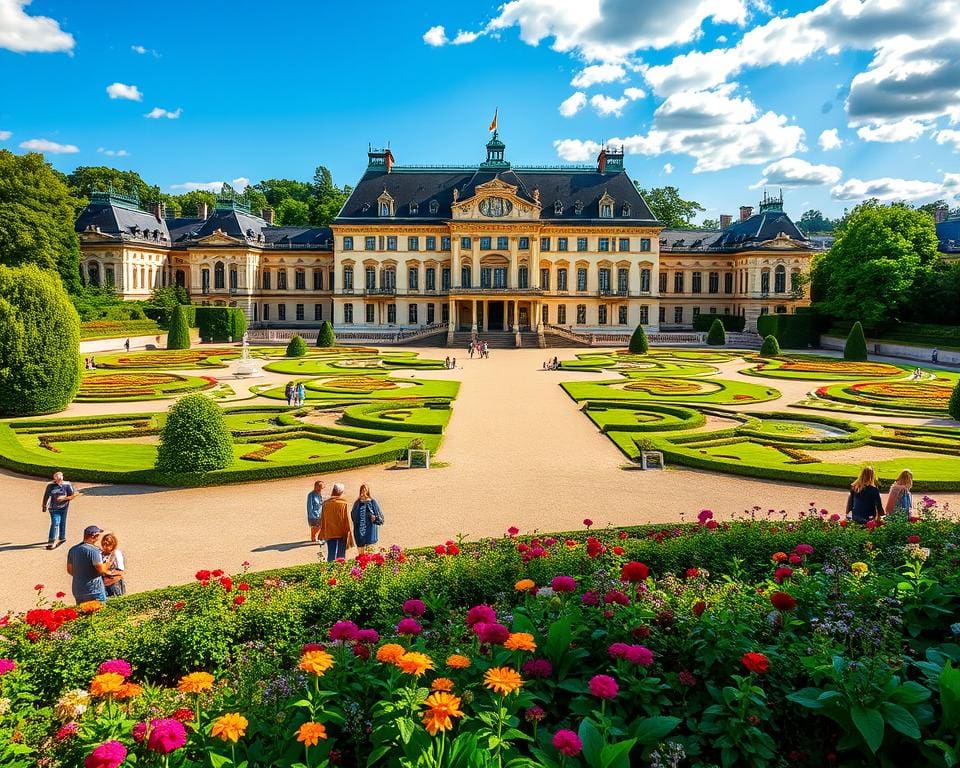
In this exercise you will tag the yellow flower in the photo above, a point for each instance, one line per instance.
(442, 684)
(414, 663)
(859, 569)
(195, 682)
(106, 684)
(441, 707)
(525, 585)
(229, 727)
(390, 652)
(456, 661)
(503, 680)
(520, 641)
(90, 606)
(311, 733)
(316, 662)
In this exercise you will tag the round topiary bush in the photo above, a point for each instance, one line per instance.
(639, 344)
(326, 338)
(856, 346)
(195, 437)
(954, 405)
(770, 347)
(178, 335)
(39, 342)
(717, 337)
(297, 347)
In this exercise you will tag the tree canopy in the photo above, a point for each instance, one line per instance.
(99, 178)
(669, 208)
(814, 221)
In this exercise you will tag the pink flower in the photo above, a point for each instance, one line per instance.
(616, 596)
(408, 626)
(803, 549)
(7, 665)
(795, 559)
(782, 573)
(414, 607)
(567, 743)
(705, 514)
(589, 598)
(618, 650)
(493, 633)
(540, 668)
(139, 731)
(639, 655)
(166, 735)
(344, 631)
(587, 522)
(563, 584)
(687, 678)
(534, 714)
(66, 731)
(107, 755)
(603, 687)
(368, 637)
(119, 666)
(512, 531)
(480, 613)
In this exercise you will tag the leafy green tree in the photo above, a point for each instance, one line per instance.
(935, 295)
(328, 198)
(326, 338)
(297, 346)
(99, 178)
(293, 212)
(814, 221)
(770, 347)
(711, 224)
(36, 217)
(954, 405)
(178, 335)
(856, 345)
(278, 190)
(716, 336)
(39, 342)
(195, 437)
(669, 208)
(254, 199)
(190, 202)
(639, 344)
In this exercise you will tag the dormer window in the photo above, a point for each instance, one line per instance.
(414, 208)
(365, 207)
(434, 206)
(384, 209)
(625, 209)
(578, 207)
(606, 206)
(558, 207)
(385, 204)
(249, 232)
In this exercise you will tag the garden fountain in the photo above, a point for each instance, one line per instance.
(247, 367)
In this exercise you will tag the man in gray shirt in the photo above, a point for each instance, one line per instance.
(56, 499)
(85, 564)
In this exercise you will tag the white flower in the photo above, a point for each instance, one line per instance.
(4, 706)
(72, 704)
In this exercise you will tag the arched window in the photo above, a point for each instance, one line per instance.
(765, 281)
(606, 211)
(384, 208)
(780, 279)
(181, 278)
(234, 279)
(434, 206)
(558, 207)
(218, 281)
(93, 274)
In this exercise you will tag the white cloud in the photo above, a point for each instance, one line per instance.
(30, 34)
(634, 93)
(901, 130)
(607, 105)
(700, 109)
(52, 147)
(830, 139)
(597, 74)
(573, 104)
(4, 135)
(157, 112)
(212, 186)
(435, 36)
(893, 189)
(668, 168)
(113, 152)
(121, 91)
(138, 49)
(943, 137)
(463, 38)
(575, 150)
(794, 172)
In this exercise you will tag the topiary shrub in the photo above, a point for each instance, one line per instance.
(770, 347)
(716, 337)
(954, 406)
(178, 336)
(639, 344)
(297, 346)
(220, 323)
(39, 342)
(856, 346)
(326, 338)
(195, 437)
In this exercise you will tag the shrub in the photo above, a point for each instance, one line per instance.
(770, 347)
(856, 346)
(717, 337)
(638, 342)
(39, 342)
(220, 323)
(297, 346)
(326, 337)
(731, 323)
(954, 406)
(178, 337)
(797, 331)
(195, 437)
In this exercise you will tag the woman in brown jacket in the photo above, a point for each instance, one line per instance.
(335, 524)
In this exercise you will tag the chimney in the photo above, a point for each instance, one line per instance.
(940, 214)
(158, 209)
(379, 159)
(203, 211)
(725, 220)
(746, 211)
(602, 161)
(267, 215)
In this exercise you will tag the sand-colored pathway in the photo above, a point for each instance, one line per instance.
(517, 453)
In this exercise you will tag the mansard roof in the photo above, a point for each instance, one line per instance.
(759, 229)
(120, 218)
(948, 232)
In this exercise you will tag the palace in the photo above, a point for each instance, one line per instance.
(489, 248)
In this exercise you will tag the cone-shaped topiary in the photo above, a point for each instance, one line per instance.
(178, 335)
(39, 342)
(297, 346)
(195, 437)
(856, 346)
(954, 406)
(326, 338)
(770, 347)
(717, 337)
(638, 342)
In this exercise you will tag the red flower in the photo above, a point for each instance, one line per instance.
(184, 714)
(440, 549)
(623, 535)
(604, 687)
(332, 582)
(795, 559)
(871, 524)
(217, 573)
(782, 573)
(567, 743)
(202, 575)
(239, 600)
(687, 678)
(243, 586)
(616, 596)
(452, 549)
(803, 549)
(227, 583)
(594, 547)
(587, 522)
(711, 525)
(512, 531)
(491, 634)
(61, 595)
(783, 601)
(634, 572)
(618, 550)
(913, 539)
(755, 662)
(563, 584)
(38, 587)
(692, 573)
(698, 608)
(571, 543)
(179, 605)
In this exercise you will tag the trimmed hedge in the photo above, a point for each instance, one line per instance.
(195, 437)
(297, 347)
(717, 337)
(856, 346)
(220, 323)
(364, 416)
(954, 406)
(326, 337)
(796, 331)
(770, 347)
(731, 323)
(178, 337)
(639, 344)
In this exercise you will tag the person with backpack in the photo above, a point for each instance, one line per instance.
(367, 518)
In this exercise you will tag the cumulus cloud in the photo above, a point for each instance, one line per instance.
(113, 152)
(143, 50)
(211, 186)
(893, 189)
(794, 172)
(157, 112)
(4, 135)
(689, 110)
(668, 168)
(50, 147)
(121, 91)
(23, 33)
(435, 36)
(634, 93)
(597, 74)
(830, 139)
(573, 104)
(607, 105)
(948, 137)
(901, 130)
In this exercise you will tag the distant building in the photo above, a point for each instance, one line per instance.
(948, 233)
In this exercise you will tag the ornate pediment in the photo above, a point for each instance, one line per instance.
(783, 241)
(93, 234)
(496, 201)
(219, 237)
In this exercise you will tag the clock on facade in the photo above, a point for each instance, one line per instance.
(495, 206)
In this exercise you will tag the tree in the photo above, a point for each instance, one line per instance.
(195, 437)
(856, 345)
(39, 342)
(814, 221)
(711, 224)
(669, 208)
(190, 202)
(178, 335)
(717, 336)
(639, 344)
(325, 337)
(954, 405)
(86, 179)
(328, 198)
(297, 346)
(254, 199)
(770, 347)
(36, 217)
(292, 212)
(278, 190)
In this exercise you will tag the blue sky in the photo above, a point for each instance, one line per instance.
(835, 100)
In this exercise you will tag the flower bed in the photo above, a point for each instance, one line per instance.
(923, 397)
(112, 387)
(821, 368)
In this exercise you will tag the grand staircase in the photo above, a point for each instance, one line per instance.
(495, 340)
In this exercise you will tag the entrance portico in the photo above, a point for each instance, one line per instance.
(493, 313)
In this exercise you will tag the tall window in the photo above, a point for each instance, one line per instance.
(110, 277)
(388, 279)
(562, 314)
(484, 243)
(412, 314)
(465, 277)
(300, 280)
(780, 279)
(465, 243)
(624, 244)
(431, 313)
(431, 243)
(524, 243)
(663, 282)
(603, 244)
(562, 279)
(445, 279)
(234, 280)
(728, 282)
(370, 278)
(545, 279)
(581, 314)
(499, 277)
(604, 277)
(765, 282)
(644, 244)
(545, 314)
(431, 279)
(678, 314)
(623, 280)
(281, 312)
(413, 243)
(444, 243)
(204, 279)
(413, 278)
(678, 282)
(318, 312)
(347, 312)
(318, 279)
(663, 313)
(486, 277)
(523, 277)
(644, 314)
(281, 279)
(622, 314)
(503, 242)
(697, 282)
(348, 280)
(299, 312)
(581, 278)
(266, 312)
(714, 282)
(581, 243)
(391, 243)
(645, 280)
(348, 243)
(391, 314)
(602, 314)
(266, 279)
(544, 243)
(370, 243)
(606, 211)
(218, 283)
(369, 308)
(561, 243)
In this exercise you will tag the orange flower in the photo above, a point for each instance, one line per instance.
(311, 733)
(779, 557)
(442, 684)
(520, 641)
(441, 707)
(525, 585)
(503, 680)
(195, 682)
(106, 684)
(129, 691)
(456, 661)
(390, 652)
(229, 727)
(415, 663)
(316, 662)
(90, 606)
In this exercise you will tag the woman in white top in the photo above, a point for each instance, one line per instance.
(113, 558)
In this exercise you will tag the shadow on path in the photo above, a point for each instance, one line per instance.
(10, 547)
(125, 490)
(286, 546)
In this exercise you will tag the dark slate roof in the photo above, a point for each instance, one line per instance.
(182, 228)
(235, 223)
(687, 240)
(123, 221)
(759, 228)
(948, 232)
(300, 237)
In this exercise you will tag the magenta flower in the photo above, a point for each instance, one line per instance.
(589, 598)
(139, 732)
(66, 731)
(639, 654)
(344, 631)
(604, 687)
(512, 531)
(368, 636)
(7, 665)
(616, 596)
(564, 584)
(705, 514)
(803, 549)
(492, 634)
(567, 743)
(409, 626)
(537, 668)
(587, 522)
(414, 607)
(534, 714)
(107, 755)
(166, 735)
(481, 613)
(119, 666)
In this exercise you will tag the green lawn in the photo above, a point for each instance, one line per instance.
(820, 368)
(673, 390)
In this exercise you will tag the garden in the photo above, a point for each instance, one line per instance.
(755, 641)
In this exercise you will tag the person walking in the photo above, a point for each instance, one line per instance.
(335, 524)
(486, 350)
(453, 363)
(447, 363)
(126, 345)
(314, 508)
(935, 356)
(367, 518)
(56, 499)
(301, 393)
(863, 503)
(470, 350)
(899, 498)
(113, 582)
(85, 564)
(288, 391)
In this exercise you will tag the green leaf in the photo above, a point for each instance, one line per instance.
(900, 720)
(910, 693)
(870, 724)
(950, 697)
(592, 741)
(650, 730)
(617, 755)
(559, 637)
(218, 761)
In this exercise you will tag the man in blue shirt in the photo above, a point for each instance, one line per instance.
(314, 505)
(85, 564)
(56, 500)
